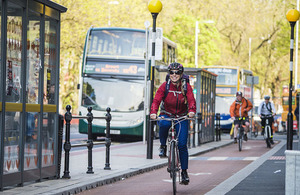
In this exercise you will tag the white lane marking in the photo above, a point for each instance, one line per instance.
(196, 174)
(278, 171)
(253, 158)
(217, 158)
(170, 180)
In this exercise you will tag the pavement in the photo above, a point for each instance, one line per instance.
(127, 160)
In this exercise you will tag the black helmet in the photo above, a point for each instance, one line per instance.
(239, 93)
(176, 66)
(267, 97)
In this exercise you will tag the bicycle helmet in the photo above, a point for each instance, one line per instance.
(176, 66)
(239, 93)
(267, 97)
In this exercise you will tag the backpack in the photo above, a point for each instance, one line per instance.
(267, 107)
(184, 80)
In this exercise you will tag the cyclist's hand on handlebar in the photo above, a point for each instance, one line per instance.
(153, 116)
(191, 114)
(233, 118)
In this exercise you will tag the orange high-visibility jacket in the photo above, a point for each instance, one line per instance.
(240, 109)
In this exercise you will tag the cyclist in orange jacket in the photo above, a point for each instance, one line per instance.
(240, 108)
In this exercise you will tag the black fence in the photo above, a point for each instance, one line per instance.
(89, 143)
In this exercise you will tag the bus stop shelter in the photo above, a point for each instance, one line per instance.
(204, 85)
(29, 92)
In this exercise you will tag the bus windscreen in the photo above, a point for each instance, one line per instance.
(116, 43)
(225, 76)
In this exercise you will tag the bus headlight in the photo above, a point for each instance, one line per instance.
(136, 121)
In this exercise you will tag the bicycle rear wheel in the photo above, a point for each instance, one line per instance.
(173, 167)
(268, 139)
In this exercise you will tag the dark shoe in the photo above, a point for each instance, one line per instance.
(235, 140)
(245, 137)
(162, 151)
(185, 177)
(271, 141)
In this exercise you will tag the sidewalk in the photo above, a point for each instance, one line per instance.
(126, 160)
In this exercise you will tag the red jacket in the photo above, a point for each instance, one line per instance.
(174, 101)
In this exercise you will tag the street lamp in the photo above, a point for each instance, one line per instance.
(111, 3)
(154, 6)
(292, 16)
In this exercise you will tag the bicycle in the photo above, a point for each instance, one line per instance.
(173, 157)
(267, 134)
(240, 134)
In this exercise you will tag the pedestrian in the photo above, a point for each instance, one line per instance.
(296, 112)
(178, 100)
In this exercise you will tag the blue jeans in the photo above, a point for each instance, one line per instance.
(164, 127)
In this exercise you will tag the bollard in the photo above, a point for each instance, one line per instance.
(107, 139)
(67, 144)
(194, 133)
(90, 141)
(218, 127)
(199, 123)
(59, 148)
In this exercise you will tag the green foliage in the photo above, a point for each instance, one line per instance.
(224, 42)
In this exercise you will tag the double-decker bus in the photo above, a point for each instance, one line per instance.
(113, 70)
(285, 106)
(229, 81)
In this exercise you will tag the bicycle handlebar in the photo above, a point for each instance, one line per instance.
(266, 116)
(173, 119)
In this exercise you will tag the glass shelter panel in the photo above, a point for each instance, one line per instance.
(12, 90)
(32, 89)
(50, 60)
(33, 57)
(50, 64)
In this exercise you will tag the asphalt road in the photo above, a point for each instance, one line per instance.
(206, 171)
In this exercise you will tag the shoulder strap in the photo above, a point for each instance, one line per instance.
(270, 110)
(167, 88)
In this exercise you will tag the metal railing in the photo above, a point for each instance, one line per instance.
(89, 143)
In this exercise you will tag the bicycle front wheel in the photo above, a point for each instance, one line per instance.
(268, 139)
(173, 166)
(240, 140)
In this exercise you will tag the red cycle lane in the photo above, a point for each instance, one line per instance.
(206, 171)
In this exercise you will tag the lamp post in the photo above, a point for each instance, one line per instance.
(154, 6)
(292, 16)
(111, 3)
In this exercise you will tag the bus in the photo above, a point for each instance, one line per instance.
(112, 75)
(285, 106)
(229, 81)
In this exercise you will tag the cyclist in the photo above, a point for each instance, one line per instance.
(240, 108)
(176, 103)
(267, 108)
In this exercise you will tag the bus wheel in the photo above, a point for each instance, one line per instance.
(94, 137)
